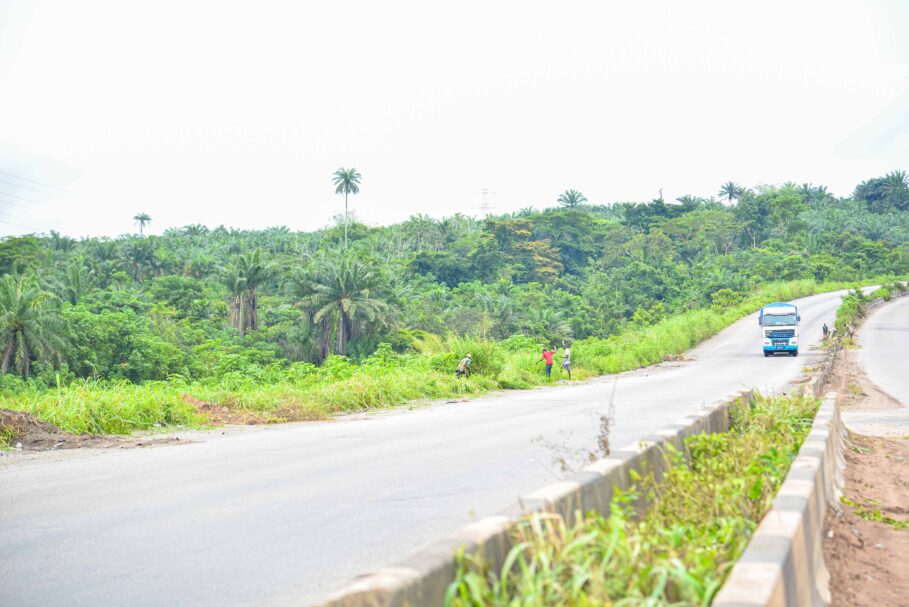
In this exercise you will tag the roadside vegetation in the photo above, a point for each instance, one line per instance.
(855, 305)
(110, 335)
(680, 551)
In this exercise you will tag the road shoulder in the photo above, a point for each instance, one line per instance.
(866, 545)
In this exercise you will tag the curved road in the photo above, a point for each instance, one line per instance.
(884, 337)
(287, 514)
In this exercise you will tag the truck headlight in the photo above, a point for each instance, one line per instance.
(794, 341)
(766, 342)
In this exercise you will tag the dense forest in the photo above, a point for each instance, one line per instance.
(213, 305)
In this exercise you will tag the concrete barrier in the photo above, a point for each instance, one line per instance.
(423, 579)
(783, 564)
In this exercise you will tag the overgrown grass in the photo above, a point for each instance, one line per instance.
(855, 305)
(680, 551)
(383, 379)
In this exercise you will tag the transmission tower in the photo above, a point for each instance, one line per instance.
(484, 202)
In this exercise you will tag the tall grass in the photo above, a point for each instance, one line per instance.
(384, 379)
(679, 552)
(855, 304)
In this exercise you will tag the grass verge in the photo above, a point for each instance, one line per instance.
(384, 379)
(680, 551)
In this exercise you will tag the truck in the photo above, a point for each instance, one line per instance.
(780, 328)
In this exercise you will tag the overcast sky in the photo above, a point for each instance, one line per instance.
(238, 113)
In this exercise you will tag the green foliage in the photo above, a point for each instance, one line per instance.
(854, 305)
(677, 553)
(234, 310)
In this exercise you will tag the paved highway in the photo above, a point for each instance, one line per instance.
(287, 514)
(884, 353)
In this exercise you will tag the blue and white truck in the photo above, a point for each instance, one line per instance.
(780, 328)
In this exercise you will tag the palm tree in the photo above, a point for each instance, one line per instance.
(571, 198)
(78, 280)
(342, 290)
(254, 274)
(139, 258)
(243, 276)
(546, 324)
(347, 181)
(30, 326)
(142, 219)
(896, 188)
(731, 191)
(232, 278)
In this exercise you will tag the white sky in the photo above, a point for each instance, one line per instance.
(238, 113)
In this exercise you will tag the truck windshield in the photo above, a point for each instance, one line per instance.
(776, 320)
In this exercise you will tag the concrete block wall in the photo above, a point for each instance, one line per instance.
(783, 564)
(423, 578)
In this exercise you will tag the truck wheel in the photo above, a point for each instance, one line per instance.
(766, 353)
(795, 353)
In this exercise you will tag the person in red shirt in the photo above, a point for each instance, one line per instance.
(547, 358)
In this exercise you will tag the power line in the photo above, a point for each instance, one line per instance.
(53, 187)
(15, 204)
(16, 225)
(9, 216)
(25, 187)
(21, 198)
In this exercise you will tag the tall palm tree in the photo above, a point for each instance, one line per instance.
(731, 191)
(142, 219)
(242, 276)
(254, 274)
(30, 326)
(343, 289)
(347, 181)
(571, 198)
(232, 278)
(896, 188)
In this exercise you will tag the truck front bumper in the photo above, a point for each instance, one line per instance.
(781, 348)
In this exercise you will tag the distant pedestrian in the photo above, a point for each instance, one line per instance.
(464, 366)
(826, 331)
(566, 359)
(547, 358)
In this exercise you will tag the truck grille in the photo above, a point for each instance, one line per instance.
(781, 334)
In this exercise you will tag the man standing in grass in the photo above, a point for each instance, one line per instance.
(547, 358)
(566, 359)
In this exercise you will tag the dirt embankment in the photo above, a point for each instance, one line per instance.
(18, 427)
(866, 548)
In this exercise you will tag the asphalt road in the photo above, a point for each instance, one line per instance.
(884, 353)
(287, 514)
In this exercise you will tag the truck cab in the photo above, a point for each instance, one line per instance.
(780, 328)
